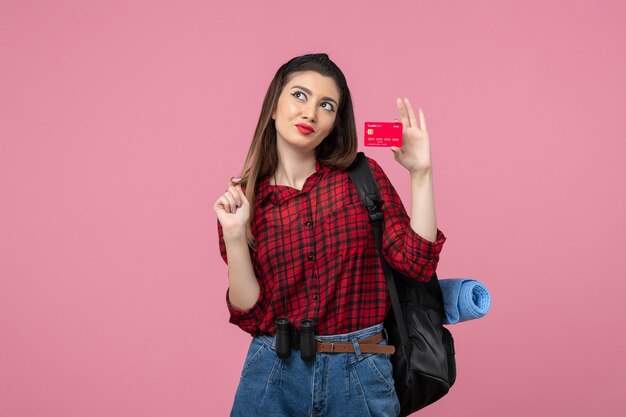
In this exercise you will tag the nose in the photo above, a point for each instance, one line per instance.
(309, 111)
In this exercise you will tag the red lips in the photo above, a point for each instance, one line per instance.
(304, 128)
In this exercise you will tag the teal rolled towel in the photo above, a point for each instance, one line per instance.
(464, 299)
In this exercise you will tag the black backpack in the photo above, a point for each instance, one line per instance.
(424, 366)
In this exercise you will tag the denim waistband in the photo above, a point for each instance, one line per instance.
(345, 337)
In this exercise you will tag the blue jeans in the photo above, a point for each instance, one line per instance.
(334, 385)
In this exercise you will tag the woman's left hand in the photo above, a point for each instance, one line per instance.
(415, 152)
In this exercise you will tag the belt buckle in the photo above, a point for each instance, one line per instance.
(332, 347)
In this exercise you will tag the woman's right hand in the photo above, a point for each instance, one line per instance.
(233, 209)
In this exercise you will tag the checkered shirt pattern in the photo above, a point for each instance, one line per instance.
(316, 247)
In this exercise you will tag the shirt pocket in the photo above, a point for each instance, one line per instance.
(347, 229)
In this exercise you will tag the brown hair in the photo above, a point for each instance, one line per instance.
(338, 149)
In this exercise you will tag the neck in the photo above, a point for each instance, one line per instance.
(293, 170)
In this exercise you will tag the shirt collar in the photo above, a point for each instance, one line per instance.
(265, 189)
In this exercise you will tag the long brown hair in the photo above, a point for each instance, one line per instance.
(338, 149)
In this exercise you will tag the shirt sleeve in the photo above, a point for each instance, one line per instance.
(404, 249)
(222, 245)
(249, 319)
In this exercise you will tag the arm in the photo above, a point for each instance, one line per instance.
(246, 301)
(417, 240)
(403, 247)
(244, 288)
(244, 297)
(423, 219)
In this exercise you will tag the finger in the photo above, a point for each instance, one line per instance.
(242, 194)
(403, 115)
(422, 120)
(234, 180)
(411, 112)
(223, 201)
(235, 192)
(231, 206)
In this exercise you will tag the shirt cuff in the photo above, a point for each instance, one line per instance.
(245, 318)
(422, 249)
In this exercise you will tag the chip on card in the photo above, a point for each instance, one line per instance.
(383, 134)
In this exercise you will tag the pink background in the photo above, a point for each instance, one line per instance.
(121, 122)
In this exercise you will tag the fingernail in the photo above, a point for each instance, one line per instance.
(238, 203)
(232, 210)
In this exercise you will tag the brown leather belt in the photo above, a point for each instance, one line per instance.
(368, 345)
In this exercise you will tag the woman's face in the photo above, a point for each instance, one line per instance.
(311, 99)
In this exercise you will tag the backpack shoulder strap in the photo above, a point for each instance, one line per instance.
(363, 178)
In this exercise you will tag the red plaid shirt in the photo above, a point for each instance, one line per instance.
(321, 254)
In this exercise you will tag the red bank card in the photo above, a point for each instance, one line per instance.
(383, 134)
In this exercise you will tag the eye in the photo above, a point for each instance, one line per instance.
(331, 109)
(297, 92)
(330, 104)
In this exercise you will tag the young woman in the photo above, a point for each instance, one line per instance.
(300, 248)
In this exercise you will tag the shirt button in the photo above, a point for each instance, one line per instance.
(308, 223)
(315, 297)
(310, 257)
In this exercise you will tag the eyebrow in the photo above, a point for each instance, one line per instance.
(306, 90)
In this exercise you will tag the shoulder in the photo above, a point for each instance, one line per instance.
(372, 162)
(377, 170)
(385, 186)
(375, 167)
